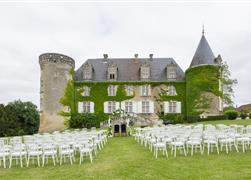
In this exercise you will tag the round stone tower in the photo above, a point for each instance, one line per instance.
(55, 73)
(203, 82)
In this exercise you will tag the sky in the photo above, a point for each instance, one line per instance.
(88, 30)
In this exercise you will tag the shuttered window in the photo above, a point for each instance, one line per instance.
(128, 107)
(145, 107)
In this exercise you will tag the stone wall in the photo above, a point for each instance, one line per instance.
(55, 73)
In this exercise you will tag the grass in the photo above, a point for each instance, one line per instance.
(228, 122)
(124, 158)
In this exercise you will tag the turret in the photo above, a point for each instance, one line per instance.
(202, 82)
(55, 73)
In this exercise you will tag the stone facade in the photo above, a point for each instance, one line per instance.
(55, 73)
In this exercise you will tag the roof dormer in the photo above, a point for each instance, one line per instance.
(112, 71)
(171, 71)
(87, 71)
(145, 71)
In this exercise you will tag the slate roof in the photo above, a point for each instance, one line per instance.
(129, 69)
(203, 54)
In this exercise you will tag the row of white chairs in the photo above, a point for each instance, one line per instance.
(56, 146)
(194, 138)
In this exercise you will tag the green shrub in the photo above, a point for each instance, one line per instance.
(18, 118)
(231, 114)
(243, 114)
(213, 118)
(172, 118)
(84, 120)
(249, 116)
(193, 118)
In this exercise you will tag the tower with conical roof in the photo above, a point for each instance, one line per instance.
(204, 54)
(203, 82)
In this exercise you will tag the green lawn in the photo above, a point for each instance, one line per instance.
(123, 158)
(228, 122)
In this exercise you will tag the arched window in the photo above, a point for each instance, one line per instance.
(171, 91)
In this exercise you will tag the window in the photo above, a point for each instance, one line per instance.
(144, 73)
(111, 106)
(112, 76)
(128, 107)
(145, 107)
(172, 73)
(172, 107)
(86, 74)
(86, 107)
(129, 90)
(171, 91)
(145, 90)
(112, 90)
(86, 91)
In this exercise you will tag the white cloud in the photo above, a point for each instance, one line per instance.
(85, 30)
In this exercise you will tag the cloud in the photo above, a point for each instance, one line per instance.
(85, 30)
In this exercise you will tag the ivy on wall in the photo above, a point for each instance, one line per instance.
(99, 93)
(69, 96)
(180, 95)
(201, 80)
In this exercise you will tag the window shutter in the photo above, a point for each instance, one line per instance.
(80, 107)
(139, 107)
(117, 105)
(135, 106)
(123, 105)
(141, 90)
(149, 90)
(106, 107)
(178, 107)
(166, 107)
(91, 107)
(151, 107)
(116, 87)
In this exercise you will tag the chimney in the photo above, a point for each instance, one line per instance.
(105, 56)
(151, 56)
(136, 56)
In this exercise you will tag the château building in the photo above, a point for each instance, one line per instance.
(141, 86)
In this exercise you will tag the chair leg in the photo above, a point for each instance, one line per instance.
(166, 152)
(90, 154)
(71, 158)
(4, 162)
(208, 149)
(10, 161)
(80, 158)
(28, 161)
(60, 160)
(53, 158)
(184, 150)
(21, 161)
(43, 161)
(38, 160)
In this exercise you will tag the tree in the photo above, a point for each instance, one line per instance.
(227, 85)
(18, 118)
